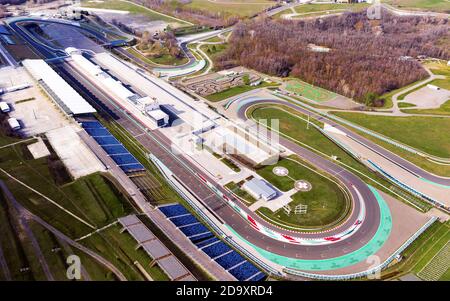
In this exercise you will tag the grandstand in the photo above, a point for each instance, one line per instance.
(121, 156)
(205, 241)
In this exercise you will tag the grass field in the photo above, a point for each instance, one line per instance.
(431, 5)
(406, 105)
(231, 7)
(326, 202)
(309, 91)
(135, 9)
(428, 134)
(439, 67)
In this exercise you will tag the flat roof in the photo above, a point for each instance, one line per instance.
(155, 249)
(13, 123)
(129, 220)
(4, 105)
(173, 268)
(140, 233)
(68, 99)
(157, 114)
(260, 187)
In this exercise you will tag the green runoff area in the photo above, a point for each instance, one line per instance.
(309, 91)
(442, 6)
(327, 203)
(136, 10)
(293, 126)
(421, 256)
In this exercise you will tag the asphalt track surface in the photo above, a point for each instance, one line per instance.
(412, 168)
(160, 146)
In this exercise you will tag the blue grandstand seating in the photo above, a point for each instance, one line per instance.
(124, 159)
(132, 167)
(211, 245)
(184, 220)
(216, 249)
(201, 237)
(230, 260)
(98, 132)
(194, 230)
(109, 140)
(244, 271)
(258, 277)
(173, 210)
(115, 149)
(91, 125)
(206, 242)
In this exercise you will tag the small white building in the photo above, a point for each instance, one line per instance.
(14, 124)
(259, 189)
(159, 118)
(4, 107)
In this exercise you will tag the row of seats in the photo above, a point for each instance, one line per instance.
(121, 156)
(224, 255)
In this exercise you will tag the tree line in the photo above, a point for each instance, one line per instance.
(365, 57)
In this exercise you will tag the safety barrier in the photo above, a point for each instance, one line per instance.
(406, 187)
(164, 170)
(370, 271)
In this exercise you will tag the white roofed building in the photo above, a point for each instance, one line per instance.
(57, 88)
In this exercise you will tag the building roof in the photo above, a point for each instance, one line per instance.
(173, 268)
(157, 114)
(13, 123)
(261, 188)
(4, 106)
(66, 97)
(155, 249)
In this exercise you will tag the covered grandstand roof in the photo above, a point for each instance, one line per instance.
(61, 92)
